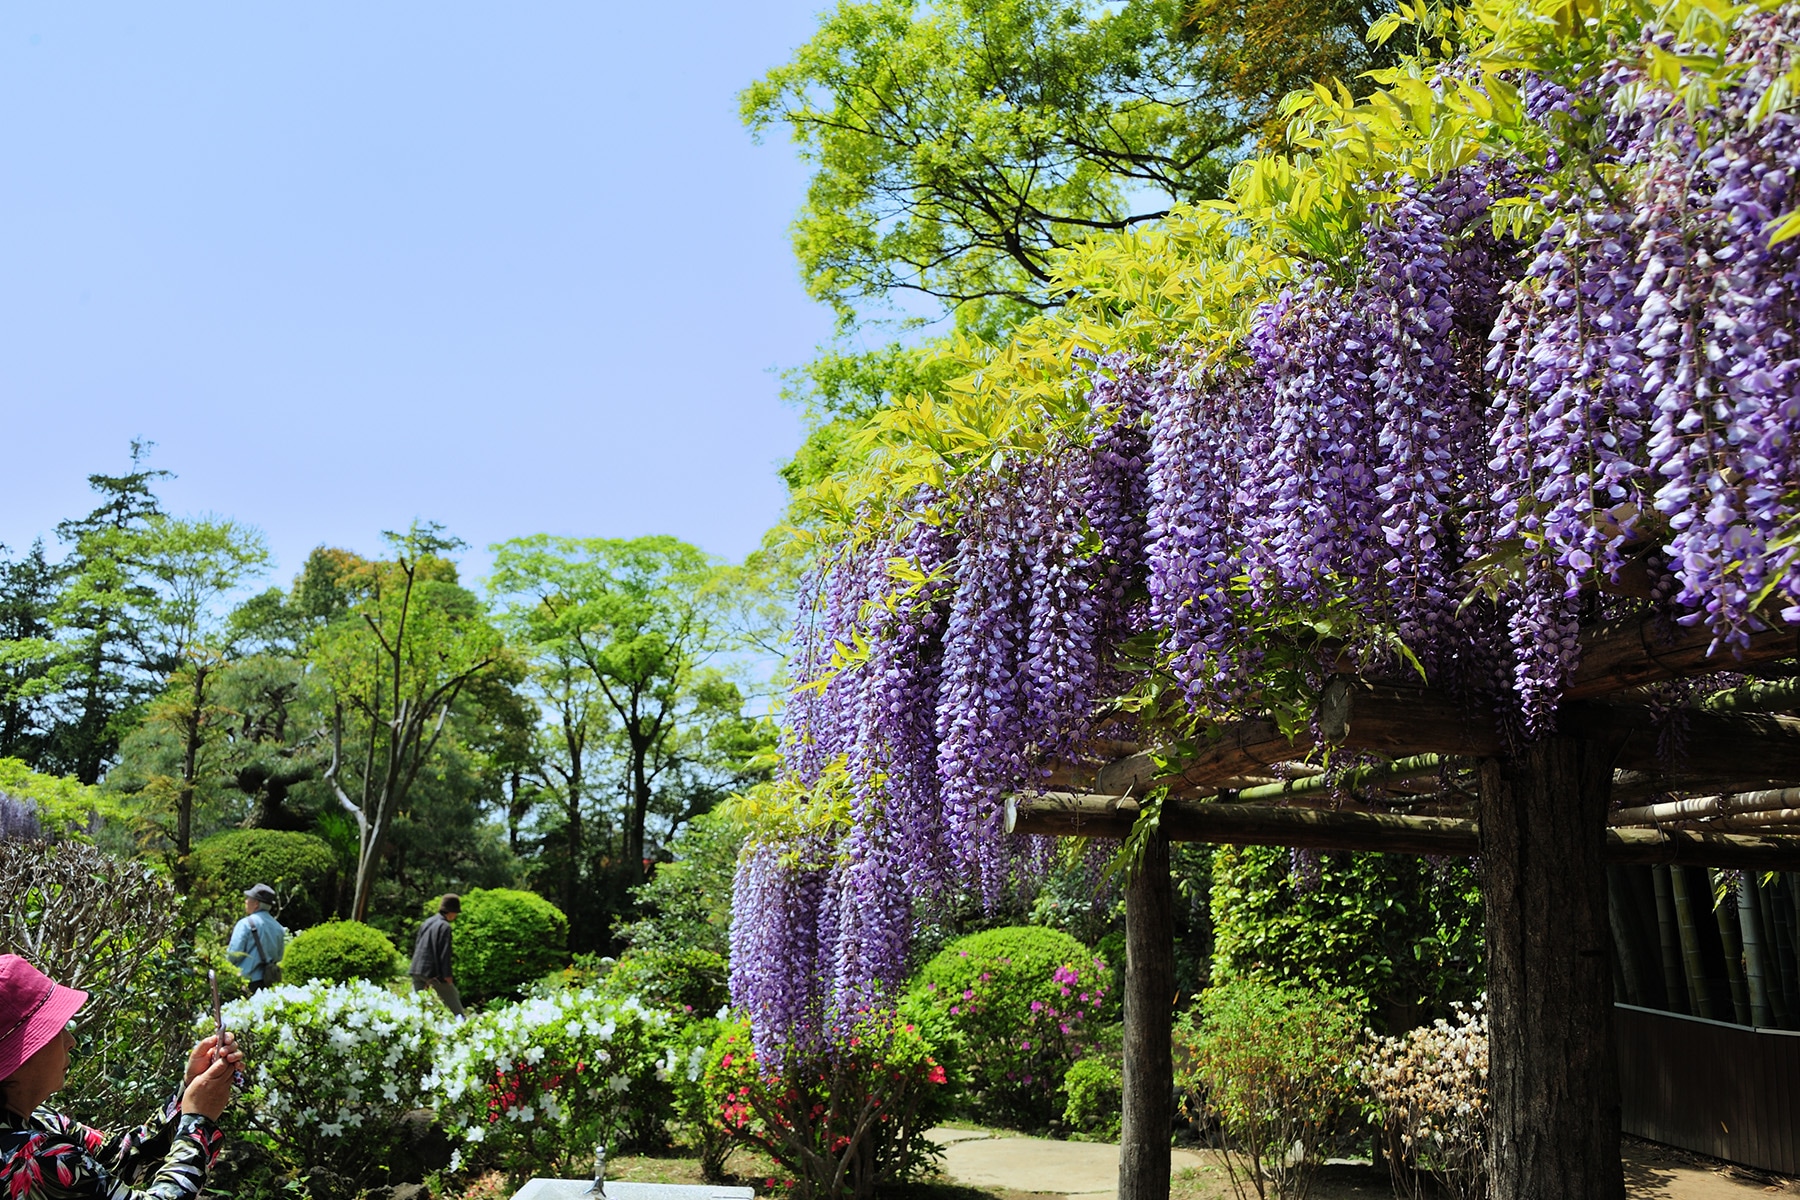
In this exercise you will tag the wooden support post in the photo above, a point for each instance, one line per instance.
(1553, 1081)
(1149, 1084)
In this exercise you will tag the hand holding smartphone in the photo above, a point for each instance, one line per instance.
(212, 981)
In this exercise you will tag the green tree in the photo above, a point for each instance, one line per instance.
(188, 568)
(1400, 932)
(100, 675)
(29, 586)
(402, 643)
(624, 628)
(686, 902)
(958, 144)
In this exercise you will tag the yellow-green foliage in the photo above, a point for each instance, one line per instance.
(1189, 283)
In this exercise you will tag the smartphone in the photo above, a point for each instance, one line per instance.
(212, 981)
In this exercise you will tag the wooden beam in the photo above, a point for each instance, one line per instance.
(1639, 650)
(1188, 820)
(1403, 721)
(1698, 848)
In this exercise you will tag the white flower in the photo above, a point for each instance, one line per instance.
(618, 1083)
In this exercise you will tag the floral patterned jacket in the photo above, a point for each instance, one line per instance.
(47, 1156)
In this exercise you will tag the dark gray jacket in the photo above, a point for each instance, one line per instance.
(431, 952)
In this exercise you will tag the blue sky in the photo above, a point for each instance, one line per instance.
(515, 268)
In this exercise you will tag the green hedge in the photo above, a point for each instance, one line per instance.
(1401, 933)
(504, 940)
(339, 951)
(300, 867)
(1009, 1011)
(683, 982)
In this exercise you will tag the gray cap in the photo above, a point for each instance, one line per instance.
(261, 892)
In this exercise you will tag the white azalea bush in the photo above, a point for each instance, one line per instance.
(332, 1068)
(1429, 1096)
(532, 1087)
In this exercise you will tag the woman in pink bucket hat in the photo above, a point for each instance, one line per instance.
(46, 1156)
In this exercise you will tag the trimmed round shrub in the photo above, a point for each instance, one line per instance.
(300, 867)
(1009, 1011)
(504, 940)
(1096, 1091)
(682, 982)
(339, 951)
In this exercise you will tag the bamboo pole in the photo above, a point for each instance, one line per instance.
(1775, 821)
(1641, 884)
(1356, 777)
(1625, 942)
(1774, 800)
(1787, 953)
(1761, 695)
(1688, 926)
(1778, 1004)
(1674, 981)
(1725, 916)
(1756, 964)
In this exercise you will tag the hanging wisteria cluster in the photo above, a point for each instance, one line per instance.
(1435, 451)
(984, 650)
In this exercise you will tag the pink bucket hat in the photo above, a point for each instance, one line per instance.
(33, 1010)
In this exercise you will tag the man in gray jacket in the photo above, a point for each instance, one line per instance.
(431, 954)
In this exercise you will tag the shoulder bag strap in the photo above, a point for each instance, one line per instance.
(261, 947)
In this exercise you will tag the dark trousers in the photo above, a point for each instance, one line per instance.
(446, 991)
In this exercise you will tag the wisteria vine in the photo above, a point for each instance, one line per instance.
(1438, 449)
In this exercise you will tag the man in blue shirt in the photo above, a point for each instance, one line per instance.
(258, 941)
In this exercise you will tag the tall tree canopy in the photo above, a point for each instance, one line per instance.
(187, 569)
(625, 637)
(957, 145)
(406, 644)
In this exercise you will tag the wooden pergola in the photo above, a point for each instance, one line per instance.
(1545, 821)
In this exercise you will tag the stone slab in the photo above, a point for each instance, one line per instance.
(583, 1189)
